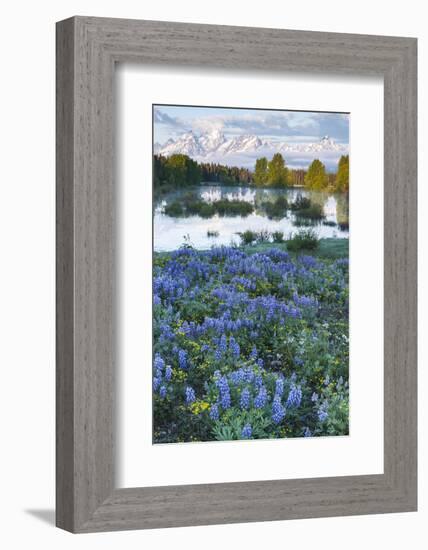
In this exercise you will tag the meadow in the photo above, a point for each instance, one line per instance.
(250, 342)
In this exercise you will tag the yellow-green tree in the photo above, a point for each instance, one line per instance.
(316, 176)
(342, 178)
(277, 172)
(261, 171)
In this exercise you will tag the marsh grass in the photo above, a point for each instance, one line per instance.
(192, 206)
(303, 240)
(277, 208)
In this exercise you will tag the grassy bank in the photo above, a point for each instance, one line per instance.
(328, 248)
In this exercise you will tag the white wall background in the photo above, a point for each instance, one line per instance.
(27, 272)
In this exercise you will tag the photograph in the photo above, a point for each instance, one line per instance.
(250, 274)
(211, 318)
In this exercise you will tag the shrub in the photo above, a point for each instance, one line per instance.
(174, 209)
(313, 212)
(206, 210)
(248, 237)
(303, 240)
(300, 203)
(304, 222)
(212, 233)
(233, 207)
(263, 236)
(192, 206)
(277, 208)
(278, 237)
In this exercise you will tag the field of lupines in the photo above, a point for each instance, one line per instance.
(249, 345)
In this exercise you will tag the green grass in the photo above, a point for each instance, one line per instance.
(327, 248)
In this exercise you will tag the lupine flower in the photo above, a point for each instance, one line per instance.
(223, 386)
(214, 412)
(158, 364)
(254, 353)
(182, 359)
(168, 373)
(234, 347)
(323, 411)
(190, 395)
(261, 398)
(167, 334)
(295, 396)
(223, 343)
(278, 411)
(218, 354)
(279, 386)
(258, 381)
(248, 375)
(237, 376)
(225, 399)
(221, 348)
(247, 431)
(226, 278)
(245, 399)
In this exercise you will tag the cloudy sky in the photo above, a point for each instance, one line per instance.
(288, 126)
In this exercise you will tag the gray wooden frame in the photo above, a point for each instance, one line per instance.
(87, 50)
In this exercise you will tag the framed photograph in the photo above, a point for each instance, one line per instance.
(236, 274)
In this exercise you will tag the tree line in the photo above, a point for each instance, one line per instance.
(318, 179)
(214, 172)
(274, 173)
(181, 171)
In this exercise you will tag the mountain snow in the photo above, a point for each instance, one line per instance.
(215, 147)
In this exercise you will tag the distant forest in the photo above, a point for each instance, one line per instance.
(182, 171)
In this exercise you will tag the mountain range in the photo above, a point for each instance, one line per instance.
(242, 150)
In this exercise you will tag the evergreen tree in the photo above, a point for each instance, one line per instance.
(342, 178)
(176, 170)
(277, 171)
(261, 171)
(316, 177)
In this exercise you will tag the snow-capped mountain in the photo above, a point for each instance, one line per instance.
(241, 144)
(212, 141)
(215, 147)
(325, 144)
(187, 144)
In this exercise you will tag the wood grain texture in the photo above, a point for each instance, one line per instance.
(87, 50)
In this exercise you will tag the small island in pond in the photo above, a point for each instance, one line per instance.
(250, 274)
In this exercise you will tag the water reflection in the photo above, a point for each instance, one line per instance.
(171, 232)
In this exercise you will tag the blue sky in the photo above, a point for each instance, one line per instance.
(288, 126)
